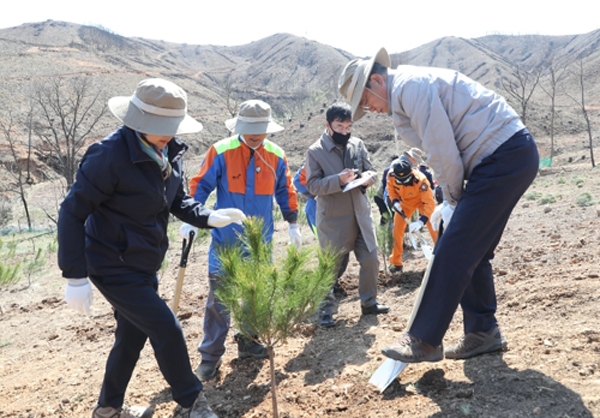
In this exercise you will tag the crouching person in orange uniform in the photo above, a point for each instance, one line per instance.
(409, 190)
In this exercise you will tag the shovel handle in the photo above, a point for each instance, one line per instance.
(185, 252)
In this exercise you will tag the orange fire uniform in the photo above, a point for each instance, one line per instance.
(416, 195)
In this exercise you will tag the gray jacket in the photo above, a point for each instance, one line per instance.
(456, 120)
(336, 210)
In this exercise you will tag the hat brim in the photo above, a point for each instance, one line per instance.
(132, 117)
(256, 128)
(362, 71)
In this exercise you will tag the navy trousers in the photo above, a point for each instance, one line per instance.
(141, 314)
(461, 270)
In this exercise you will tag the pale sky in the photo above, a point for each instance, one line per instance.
(360, 29)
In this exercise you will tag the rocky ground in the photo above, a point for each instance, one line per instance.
(548, 285)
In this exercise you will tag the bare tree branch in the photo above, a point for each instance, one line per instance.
(522, 89)
(15, 167)
(555, 75)
(581, 103)
(69, 112)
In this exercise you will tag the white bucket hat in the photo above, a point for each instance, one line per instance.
(416, 154)
(254, 117)
(157, 107)
(353, 79)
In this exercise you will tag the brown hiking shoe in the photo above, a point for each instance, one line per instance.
(123, 412)
(475, 343)
(410, 349)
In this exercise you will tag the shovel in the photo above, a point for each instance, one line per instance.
(425, 247)
(390, 369)
(185, 252)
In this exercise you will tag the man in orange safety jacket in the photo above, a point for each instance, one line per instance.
(409, 190)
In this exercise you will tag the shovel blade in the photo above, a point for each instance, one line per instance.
(386, 373)
(427, 251)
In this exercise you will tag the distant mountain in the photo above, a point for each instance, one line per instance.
(297, 76)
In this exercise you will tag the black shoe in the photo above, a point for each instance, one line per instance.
(339, 290)
(375, 309)
(395, 269)
(326, 320)
(208, 369)
(250, 348)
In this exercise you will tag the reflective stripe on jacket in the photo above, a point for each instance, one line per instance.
(246, 179)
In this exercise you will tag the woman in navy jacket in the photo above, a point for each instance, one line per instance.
(112, 228)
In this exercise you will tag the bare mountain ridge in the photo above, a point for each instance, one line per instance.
(297, 76)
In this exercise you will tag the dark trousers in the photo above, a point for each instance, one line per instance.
(461, 270)
(141, 314)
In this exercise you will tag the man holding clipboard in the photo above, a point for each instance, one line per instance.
(338, 171)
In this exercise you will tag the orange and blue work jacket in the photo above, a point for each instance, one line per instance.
(246, 179)
(414, 196)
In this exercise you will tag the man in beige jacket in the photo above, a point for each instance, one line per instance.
(344, 219)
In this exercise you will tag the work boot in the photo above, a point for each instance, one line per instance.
(326, 320)
(411, 349)
(208, 369)
(200, 409)
(394, 269)
(250, 348)
(475, 343)
(123, 412)
(339, 291)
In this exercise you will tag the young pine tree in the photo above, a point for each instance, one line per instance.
(266, 299)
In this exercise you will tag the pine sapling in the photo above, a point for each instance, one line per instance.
(265, 300)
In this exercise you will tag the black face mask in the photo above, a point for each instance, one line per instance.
(339, 138)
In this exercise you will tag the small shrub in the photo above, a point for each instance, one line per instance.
(578, 182)
(584, 199)
(546, 199)
(533, 195)
(562, 180)
(12, 248)
(52, 246)
(277, 215)
(34, 265)
(9, 274)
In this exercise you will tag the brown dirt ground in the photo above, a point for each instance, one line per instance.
(547, 277)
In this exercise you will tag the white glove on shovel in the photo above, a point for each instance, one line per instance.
(79, 295)
(415, 226)
(223, 217)
(295, 236)
(442, 212)
(447, 213)
(185, 229)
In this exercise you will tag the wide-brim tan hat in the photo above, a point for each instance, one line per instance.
(157, 107)
(353, 79)
(416, 154)
(254, 117)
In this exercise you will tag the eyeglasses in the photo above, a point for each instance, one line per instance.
(364, 103)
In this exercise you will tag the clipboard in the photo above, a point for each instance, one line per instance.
(356, 183)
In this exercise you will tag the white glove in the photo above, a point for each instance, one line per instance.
(415, 226)
(447, 212)
(442, 212)
(436, 216)
(185, 229)
(79, 295)
(295, 237)
(223, 217)
(396, 206)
